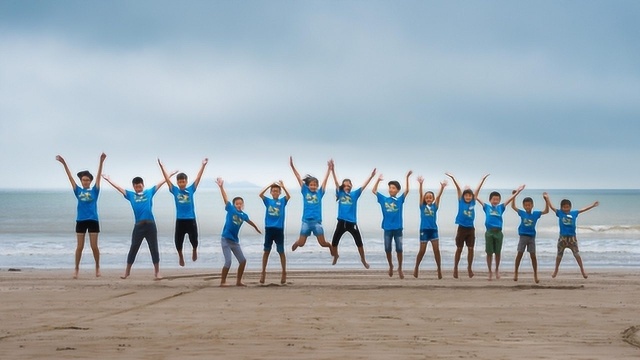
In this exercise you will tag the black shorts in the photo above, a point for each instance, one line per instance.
(91, 226)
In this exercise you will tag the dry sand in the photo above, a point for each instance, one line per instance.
(318, 315)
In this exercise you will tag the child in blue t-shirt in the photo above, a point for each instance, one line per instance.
(185, 210)
(466, 232)
(392, 222)
(527, 233)
(312, 209)
(141, 201)
(347, 199)
(87, 211)
(429, 205)
(567, 225)
(274, 226)
(229, 240)
(493, 235)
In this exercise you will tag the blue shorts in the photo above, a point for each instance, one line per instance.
(309, 227)
(274, 235)
(428, 235)
(390, 235)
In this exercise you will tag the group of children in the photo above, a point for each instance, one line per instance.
(141, 201)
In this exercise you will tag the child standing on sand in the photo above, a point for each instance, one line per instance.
(87, 211)
(567, 224)
(274, 226)
(229, 241)
(527, 233)
(429, 205)
(392, 222)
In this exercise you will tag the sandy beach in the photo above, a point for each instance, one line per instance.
(319, 315)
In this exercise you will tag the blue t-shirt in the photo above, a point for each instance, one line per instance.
(567, 222)
(87, 203)
(233, 222)
(312, 204)
(185, 208)
(348, 205)
(528, 222)
(493, 216)
(141, 204)
(274, 216)
(428, 216)
(466, 213)
(391, 211)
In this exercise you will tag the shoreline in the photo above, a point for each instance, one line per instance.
(319, 314)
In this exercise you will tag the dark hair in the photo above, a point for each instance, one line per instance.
(181, 176)
(341, 187)
(428, 192)
(236, 198)
(527, 199)
(308, 179)
(468, 191)
(275, 186)
(137, 180)
(494, 193)
(84, 173)
(396, 184)
(565, 202)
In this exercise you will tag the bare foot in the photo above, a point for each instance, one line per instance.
(263, 276)
(390, 271)
(400, 273)
(224, 284)
(490, 276)
(439, 274)
(157, 277)
(365, 264)
(515, 277)
(415, 273)
(584, 275)
(283, 279)
(470, 272)
(240, 284)
(555, 273)
(181, 260)
(124, 276)
(536, 280)
(194, 255)
(294, 246)
(98, 274)
(455, 273)
(497, 275)
(335, 258)
(75, 273)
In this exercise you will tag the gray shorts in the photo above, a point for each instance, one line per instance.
(528, 242)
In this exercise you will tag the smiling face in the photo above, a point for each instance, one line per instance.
(86, 182)
(275, 192)
(313, 185)
(495, 200)
(346, 185)
(238, 203)
(428, 198)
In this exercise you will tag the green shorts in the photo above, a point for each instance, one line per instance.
(493, 241)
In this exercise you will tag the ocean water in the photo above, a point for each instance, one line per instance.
(37, 230)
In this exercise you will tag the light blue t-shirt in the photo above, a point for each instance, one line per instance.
(428, 216)
(233, 222)
(141, 204)
(87, 203)
(391, 211)
(274, 216)
(312, 204)
(185, 208)
(567, 222)
(348, 205)
(528, 222)
(466, 213)
(493, 216)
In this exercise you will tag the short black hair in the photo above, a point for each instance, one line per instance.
(137, 180)
(84, 173)
(565, 202)
(181, 176)
(527, 199)
(494, 193)
(395, 183)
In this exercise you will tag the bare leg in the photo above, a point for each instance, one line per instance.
(555, 272)
(263, 274)
(127, 272)
(489, 260)
(299, 243)
(400, 273)
(79, 249)
(180, 258)
(435, 246)
(423, 248)
(194, 254)
(518, 260)
(456, 262)
(156, 272)
(498, 266)
(240, 273)
(534, 263)
(470, 261)
(579, 260)
(362, 259)
(390, 263)
(93, 240)
(332, 250)
(223, 276)
(283, 263)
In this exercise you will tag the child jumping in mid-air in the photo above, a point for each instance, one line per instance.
(274, 226)
(527, 233)
(429, 204)
(567, 224)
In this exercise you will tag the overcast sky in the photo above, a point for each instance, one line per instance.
(544, 93)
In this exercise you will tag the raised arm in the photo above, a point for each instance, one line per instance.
(263, 191)
(254, 226)
(546, 208)
(66, 169)
(443, 184)
(375, 185)
(286, 192)
(166, 176)
(406, 184)
(513, 203)
(220, 183)
(326, 176)
(480, 187)
(455, 182)
(513, 195)
(421, 193)
(548, 202)
(199, 176)
(596, 203)
(295, 171)
(335, 177)
(164, 180)
(366, 182)
(103, 156)
(115, 186)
